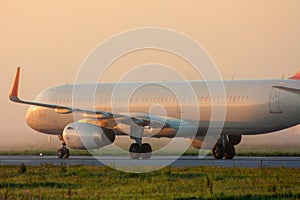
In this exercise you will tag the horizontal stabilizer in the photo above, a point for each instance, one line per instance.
(288, 89)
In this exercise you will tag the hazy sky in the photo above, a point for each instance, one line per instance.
(50, 40)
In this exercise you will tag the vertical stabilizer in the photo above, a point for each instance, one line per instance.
(296, 76)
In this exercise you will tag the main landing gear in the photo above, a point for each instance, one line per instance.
(63, 152)
(140, 150)
(224, 148)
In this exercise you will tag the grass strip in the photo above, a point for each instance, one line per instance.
(88, 182)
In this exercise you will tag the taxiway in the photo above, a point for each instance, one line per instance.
(184, 161)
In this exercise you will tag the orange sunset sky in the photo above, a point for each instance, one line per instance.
(50, 40)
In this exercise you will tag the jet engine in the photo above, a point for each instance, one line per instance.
(196, 142)
(82, 135)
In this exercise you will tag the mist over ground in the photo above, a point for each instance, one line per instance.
(281, 140)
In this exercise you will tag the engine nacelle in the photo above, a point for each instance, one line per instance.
(197, 143)
(81, 135)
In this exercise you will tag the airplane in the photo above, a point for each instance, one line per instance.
(252, 107)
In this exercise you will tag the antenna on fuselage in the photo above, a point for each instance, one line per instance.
(232, 78)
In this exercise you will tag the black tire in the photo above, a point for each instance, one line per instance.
(135, 151)
(218, 151)
(229, 151)
(66, 153)
(234, 139)
(146, 151)
(60, 153)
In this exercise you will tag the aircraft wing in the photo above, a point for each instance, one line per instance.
(141, 119)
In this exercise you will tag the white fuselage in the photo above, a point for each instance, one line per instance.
(252, 106)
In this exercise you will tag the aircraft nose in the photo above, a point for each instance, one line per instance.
(31, 116)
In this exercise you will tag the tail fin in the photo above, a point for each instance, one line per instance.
(296, 76)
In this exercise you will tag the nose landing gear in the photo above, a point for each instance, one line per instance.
(63, 152)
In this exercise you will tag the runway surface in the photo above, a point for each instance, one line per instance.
(184, 161)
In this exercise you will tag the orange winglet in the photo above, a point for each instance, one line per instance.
(15, 87)
(296, 76)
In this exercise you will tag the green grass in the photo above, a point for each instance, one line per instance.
(83, 182)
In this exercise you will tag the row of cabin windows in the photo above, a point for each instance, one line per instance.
(199, 99)
(157, 99)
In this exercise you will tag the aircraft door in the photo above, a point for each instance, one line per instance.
(103, 100)
(108, 100)
(181, 100)
(274, 101)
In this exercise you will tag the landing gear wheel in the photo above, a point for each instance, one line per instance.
(135, 151)
(60, 153)
(66, 153)
(218, 151)
(63, 153)
(146, 151)
(229, 151)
